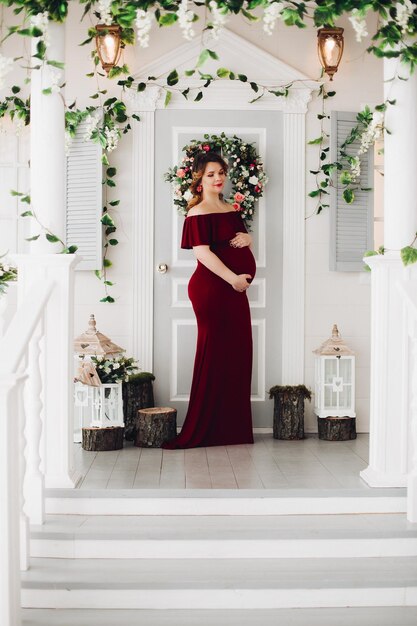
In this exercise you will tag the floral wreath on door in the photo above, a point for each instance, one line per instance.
(246, 173)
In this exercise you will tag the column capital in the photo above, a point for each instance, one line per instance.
(145, 100)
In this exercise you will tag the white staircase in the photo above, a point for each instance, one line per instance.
(241, 567)
(163, 557)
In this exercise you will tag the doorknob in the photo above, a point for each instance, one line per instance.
(162, 268)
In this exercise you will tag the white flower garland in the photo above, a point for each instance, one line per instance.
(185, 20)
(372, 133)
(219, 18)
(105, 11)
(404, 11)
(358, 22)
(246, 172)
(143, 27)
(271, 13)
(41, 21)
(112, 137)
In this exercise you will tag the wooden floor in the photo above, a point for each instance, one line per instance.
(267, 464)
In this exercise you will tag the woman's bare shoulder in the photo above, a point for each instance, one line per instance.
(197, 209)
(202, 209)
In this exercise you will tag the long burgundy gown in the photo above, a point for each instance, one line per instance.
(219, 411)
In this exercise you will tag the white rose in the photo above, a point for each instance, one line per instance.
(1, 272)
(6, 268)
(253, 180)
(188, 195)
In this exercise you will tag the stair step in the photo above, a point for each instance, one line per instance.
(224, 501)
(219, 583)
(367, 616)
(133, 537)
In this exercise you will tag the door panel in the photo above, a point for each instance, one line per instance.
(174, 321)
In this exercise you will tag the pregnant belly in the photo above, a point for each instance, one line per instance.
(239, 260)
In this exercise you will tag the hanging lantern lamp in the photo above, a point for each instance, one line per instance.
(108, 44)
(330, 45)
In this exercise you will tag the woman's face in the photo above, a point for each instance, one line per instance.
(213, 178)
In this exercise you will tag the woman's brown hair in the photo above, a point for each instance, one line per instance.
(199, 166)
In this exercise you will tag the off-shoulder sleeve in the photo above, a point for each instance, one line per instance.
(242, 227)
(196, 231)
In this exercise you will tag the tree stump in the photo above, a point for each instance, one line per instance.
(100, 439)
(289, 410)
(137, 394)
(336, 428)
(155, 426)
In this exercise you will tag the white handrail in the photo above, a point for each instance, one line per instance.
(36, 405)
(20, 341)
(15, 342)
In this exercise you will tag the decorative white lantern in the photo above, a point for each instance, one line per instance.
(334, 378)
(96, 404)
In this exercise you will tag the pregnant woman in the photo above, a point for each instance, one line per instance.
(219, 411)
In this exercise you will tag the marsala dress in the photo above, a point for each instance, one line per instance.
(219, 411)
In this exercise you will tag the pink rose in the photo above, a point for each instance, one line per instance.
(206, 148)
(180, 173)
(237, 206)
(239, 196)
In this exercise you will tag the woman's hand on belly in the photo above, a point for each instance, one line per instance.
(241, 240)
(241, 282)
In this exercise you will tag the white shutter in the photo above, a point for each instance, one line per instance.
(84, 200)
(351, 225)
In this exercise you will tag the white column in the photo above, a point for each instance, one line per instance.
(389, 460)
(144, 104)
(57, 363)
(47, 144)
(400, 157)
(293, 253)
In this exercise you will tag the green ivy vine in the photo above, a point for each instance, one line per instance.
(394, 37)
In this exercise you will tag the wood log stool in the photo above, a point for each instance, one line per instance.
(289, 410)
(155, 426)
(137, 394)
(102, 439)
(336, 428)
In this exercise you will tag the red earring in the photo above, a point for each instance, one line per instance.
(199, 188)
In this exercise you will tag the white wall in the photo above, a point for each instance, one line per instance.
(331, 297)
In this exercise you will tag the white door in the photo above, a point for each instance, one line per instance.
(174, 321)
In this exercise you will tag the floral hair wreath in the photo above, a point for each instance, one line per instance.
(246, 172)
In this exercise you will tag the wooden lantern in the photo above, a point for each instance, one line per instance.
(97, 405)
(334, 378)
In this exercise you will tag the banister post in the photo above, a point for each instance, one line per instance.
(9, 500)
(57, 363)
